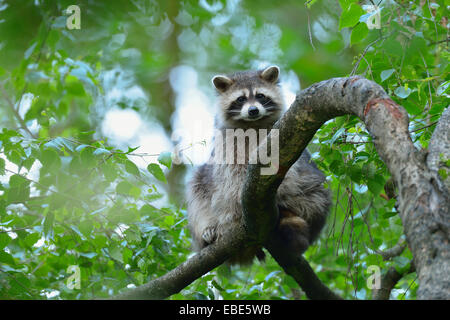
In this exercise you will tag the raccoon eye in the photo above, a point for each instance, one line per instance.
(241, 99)
(260, 96)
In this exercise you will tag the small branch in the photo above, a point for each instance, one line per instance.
(364, 53)
(421, 128)
(387, 283)
(17, 229)
(439, 41)
(395, 251)
(309, 28)
(428, 83)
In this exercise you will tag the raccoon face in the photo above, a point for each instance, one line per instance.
(250, 98)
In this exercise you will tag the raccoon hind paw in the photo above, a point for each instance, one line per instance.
(209, 235)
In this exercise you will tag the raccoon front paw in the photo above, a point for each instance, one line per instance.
(209, 235)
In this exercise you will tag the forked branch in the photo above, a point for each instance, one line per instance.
(423, 202)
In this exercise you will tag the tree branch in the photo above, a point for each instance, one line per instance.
(395, 251)
(423, 206)
(388, 282)
(189, 271)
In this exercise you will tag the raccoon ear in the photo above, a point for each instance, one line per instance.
(270, 74)
(222, 83)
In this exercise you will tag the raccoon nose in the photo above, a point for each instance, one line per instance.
(253, 111)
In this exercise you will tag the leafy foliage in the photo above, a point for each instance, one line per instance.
(69, 196)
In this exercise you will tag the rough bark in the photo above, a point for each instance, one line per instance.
(423, 202)
(388, 282)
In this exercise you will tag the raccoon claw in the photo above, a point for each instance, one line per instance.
(209, 235)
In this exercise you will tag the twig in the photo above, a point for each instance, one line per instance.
(427, 126)
(364, 53)
(428, 76)
(395, 251)
(440, 41)
(309, 31)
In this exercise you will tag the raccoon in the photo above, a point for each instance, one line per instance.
(253, 99)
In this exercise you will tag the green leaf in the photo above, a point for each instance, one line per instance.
(52, 38)
(6, 258)
(48, 224)
(337, 135)
(116, 254)
(157, 172)
(59, 143)
(345, 4)
(359, 32)
(271, 275)
(393, 47)
(165, 158)
(100, 151)
(50, 160)
(19, 189)
(81, 147)
(30, 50)
(130, 150)
(32, 238)
(86, 227)
(2, 166)
(402, 92)
(135, 192)
(15, 156)
(74, 86)
(126, 255)
(88, 255)
(385, 74)
(110, 172)
(376, 184)
(124, 187)
(133, 235)
(130, 167)
(4, 240)
(142, 264)
(350, 17)
(443, 88)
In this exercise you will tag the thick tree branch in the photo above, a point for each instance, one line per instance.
(388, 282)
(423, 206)
(189, 271)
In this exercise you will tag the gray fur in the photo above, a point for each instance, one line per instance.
(214, 192)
